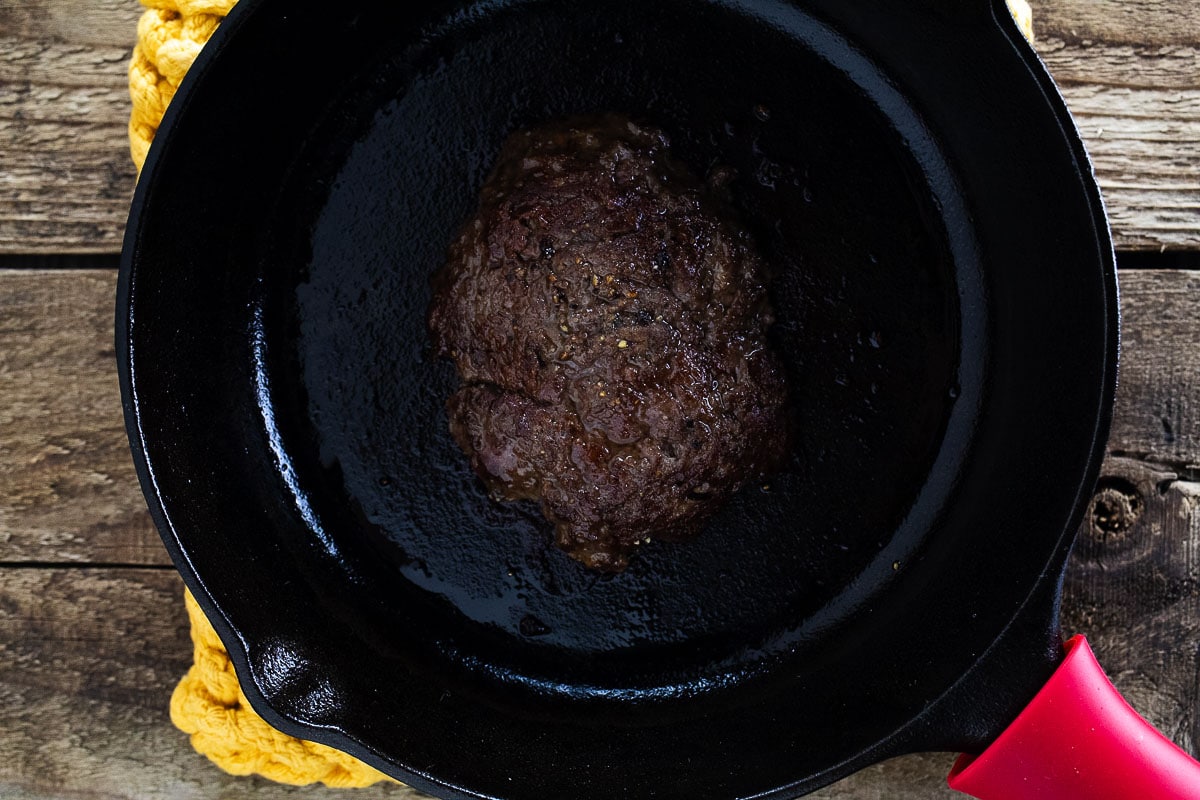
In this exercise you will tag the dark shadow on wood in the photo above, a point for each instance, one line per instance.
(60, 261)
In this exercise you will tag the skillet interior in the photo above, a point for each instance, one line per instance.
(287, 411)
(867, 300)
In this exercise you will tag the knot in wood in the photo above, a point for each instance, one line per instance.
(1114, 509)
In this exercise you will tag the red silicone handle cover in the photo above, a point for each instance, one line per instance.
(1079, 739)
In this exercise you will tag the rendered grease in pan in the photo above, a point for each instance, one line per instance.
(608, 316)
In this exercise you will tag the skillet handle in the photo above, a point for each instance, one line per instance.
(1079, 739)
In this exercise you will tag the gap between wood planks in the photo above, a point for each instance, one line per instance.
(1185, 472)
(82, 565)
(1150, 259)
(60, 261)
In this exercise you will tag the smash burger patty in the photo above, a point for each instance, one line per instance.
(608, 318)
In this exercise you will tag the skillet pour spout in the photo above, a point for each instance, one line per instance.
(893, 589)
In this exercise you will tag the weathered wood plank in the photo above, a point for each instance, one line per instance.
(103, 23)
(1145, 148)
(1075, 62)
(1133, 587)
(1129, 71)
(917, 777)
(68, 491)
(65, 175)
(1157, 416)
(1157, 22)
(88, 660)
(69, 494)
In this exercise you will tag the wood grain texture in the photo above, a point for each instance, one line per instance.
(88, 660)
(68, 491)
(88, 656)
(1133, 586)
(1157, 417)
(1138, 110)
(1129, 71)
(916, 777)
(1149, 22)
(65, 175)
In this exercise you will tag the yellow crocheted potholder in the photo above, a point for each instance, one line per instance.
(208, 704)
(170, 35)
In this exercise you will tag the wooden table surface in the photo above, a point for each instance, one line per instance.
(92, 629)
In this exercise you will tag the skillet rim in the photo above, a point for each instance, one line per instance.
(242, 11)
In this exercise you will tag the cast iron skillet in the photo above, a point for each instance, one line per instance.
(947, 310)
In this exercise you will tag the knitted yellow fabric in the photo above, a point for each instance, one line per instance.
(170, 35)
(208, 704)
